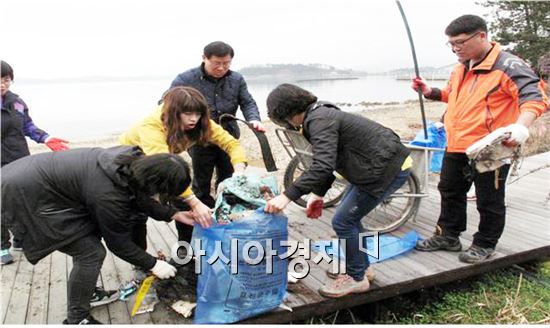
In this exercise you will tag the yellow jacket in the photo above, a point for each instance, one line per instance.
(150, 135)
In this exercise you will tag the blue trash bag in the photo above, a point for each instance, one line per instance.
(231, 289)
(388, 246)
(436, 138)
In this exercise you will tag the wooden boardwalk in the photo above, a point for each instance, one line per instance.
(37, 294)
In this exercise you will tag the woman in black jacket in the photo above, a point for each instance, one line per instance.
(369, 155)
(68, 201)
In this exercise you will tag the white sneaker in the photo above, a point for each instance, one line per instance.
(344, 285)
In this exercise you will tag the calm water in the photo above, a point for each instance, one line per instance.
(79, 111)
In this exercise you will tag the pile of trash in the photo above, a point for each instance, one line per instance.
(241, 195)
(230, 287)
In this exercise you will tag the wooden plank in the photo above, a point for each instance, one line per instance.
(19, 301)
(101, 313)
(162, 314)
(118, 311)
(9, 272)
(57, 306)
(125, 274)
(37, 312)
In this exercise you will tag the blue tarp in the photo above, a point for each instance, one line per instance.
(388, 246)
(437, 138)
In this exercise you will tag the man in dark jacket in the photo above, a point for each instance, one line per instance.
(369, 155)
(68, 201)
(225, 90)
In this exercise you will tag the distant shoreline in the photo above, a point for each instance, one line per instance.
(404, 118)
(328, 79)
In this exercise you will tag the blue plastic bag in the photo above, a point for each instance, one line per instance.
(388, 246)
(437, 138)
(226, 296)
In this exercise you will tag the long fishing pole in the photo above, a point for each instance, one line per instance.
(416, 70)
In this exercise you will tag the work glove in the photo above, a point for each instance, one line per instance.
(314, 206)
(518, 134)
(163, 270)
(56, 144)
(258, 126)
(420, 83)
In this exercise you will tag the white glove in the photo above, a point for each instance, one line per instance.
(518, 133)
(163, 270)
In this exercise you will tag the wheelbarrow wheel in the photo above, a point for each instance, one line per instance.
(333, 195)
(395, 210)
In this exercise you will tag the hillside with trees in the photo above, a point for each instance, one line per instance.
(298, 72)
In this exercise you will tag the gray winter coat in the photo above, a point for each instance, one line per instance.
(50, 200)
(224, 95)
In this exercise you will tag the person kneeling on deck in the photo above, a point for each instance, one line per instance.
(367, 154)
(68, 201)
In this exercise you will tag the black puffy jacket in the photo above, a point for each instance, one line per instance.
(364, 152)
(50, 200)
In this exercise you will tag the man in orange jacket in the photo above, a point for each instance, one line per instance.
(487, 90)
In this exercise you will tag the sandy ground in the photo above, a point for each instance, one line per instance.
(404, 118)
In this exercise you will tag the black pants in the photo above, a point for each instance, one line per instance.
(5, 237)
(5, 233)
(205, 159)
(139, 231)
(453, 187)
(184, 231)
(88, 254)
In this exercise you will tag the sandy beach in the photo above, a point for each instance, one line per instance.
(404, 118)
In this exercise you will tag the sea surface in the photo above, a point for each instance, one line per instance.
(86, 110)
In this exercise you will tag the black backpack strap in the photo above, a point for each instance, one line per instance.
(269, 162)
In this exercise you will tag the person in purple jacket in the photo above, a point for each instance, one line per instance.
(16, 125)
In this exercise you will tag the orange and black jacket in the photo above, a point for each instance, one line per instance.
(490, 95)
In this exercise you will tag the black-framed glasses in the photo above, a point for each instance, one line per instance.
(460, 43)
(6, 81)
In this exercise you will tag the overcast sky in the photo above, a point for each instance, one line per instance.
(68, 38)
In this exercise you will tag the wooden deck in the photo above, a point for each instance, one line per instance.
(37, 294)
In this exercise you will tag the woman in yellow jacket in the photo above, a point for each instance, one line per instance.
(179, 122)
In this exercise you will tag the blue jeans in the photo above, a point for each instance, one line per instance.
(347, 222)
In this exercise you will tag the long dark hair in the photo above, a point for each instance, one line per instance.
(180, 100)
(165, 174)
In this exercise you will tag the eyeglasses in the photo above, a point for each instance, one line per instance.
(460, 43)
(6, 81)
(216, 63)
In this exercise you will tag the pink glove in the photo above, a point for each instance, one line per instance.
(56, 144)
(420, 83)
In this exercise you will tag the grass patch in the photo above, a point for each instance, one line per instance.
(505, 296)
(516, 295)
(499, 298)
